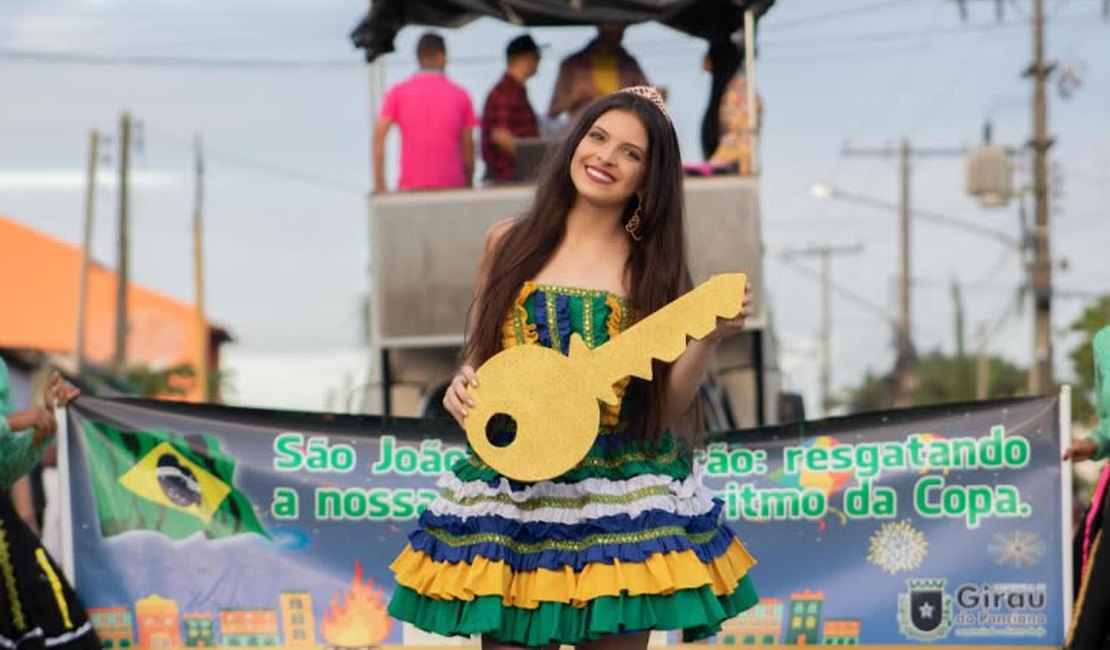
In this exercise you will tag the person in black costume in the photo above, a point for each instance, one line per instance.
(38, 608)
(722, 61)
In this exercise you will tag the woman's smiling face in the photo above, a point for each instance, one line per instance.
(610, 161)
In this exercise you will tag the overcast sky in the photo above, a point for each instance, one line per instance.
(288, 150)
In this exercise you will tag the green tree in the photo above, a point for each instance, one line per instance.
(149, 382)
(167, 382)
(1094, 317)
(941, 378)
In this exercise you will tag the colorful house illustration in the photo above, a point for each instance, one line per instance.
(297, 622)
(249, 627)
(115, 626)
(200, 630)
(804, 617)
(760, 625)
(841, 631)
(159, 622)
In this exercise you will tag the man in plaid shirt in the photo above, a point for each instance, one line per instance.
(507, 114)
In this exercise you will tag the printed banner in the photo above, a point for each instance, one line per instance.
(206, 526)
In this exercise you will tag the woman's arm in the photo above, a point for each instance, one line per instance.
(23, 437)
(457, 398)
(687, 375)
(688, 371)
(25, 434)
(1097, 445)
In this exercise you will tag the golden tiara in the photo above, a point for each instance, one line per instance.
(651, 94)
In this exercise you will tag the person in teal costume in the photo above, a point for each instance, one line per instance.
(1089, 628)
(38, 608)
(1097, 445)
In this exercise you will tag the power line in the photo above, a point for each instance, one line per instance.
(902, 81)
(895, 38)
(239, 63)
(244, 162)
(949, 84)
(857, 299)
(888, 35)
(170, 61)
(832, 15)
(284, 172)
(824, 253)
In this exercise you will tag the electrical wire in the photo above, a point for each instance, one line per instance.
(853, 297)
(159, 61)
(244, 162)
(843, 12)
(949, 85)
(899, 42)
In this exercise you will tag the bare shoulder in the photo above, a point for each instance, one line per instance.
(499, 230)
(494, 235)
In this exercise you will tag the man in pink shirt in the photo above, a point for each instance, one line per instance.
(437, 123)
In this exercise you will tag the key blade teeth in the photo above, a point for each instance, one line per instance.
(733, 284)
(578, 349)
(609, 396)
(664, 334)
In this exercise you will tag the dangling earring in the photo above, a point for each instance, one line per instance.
(633, 224)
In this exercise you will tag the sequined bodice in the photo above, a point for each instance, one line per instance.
(547, 315)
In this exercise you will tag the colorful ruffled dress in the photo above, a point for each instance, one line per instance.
(628, 540)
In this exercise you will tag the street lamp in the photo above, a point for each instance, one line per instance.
(905, 355)
(906, 359)
(821, 190)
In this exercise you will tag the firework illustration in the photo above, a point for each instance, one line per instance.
(897, 546)
(1016, 549)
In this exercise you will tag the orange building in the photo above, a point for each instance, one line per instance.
(159, 622)
(760, 625)
(297, 621)
(114, 626)
(248, 627)
(162, 330)
(841, 631)
(805, 617)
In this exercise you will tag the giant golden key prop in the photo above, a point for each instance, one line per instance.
(554, 398)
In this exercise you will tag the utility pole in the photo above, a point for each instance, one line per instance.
(204, 391)
(824, 253)
(86, 248)
(982, 365)
(119, 362)
(1040, 366)
(1040, 269)
(752, 90)
(905, 364)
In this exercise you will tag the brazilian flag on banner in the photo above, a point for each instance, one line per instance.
(156, 480)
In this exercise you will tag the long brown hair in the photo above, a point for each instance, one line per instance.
(656, 266)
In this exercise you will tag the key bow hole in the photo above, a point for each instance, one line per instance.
(501, 430)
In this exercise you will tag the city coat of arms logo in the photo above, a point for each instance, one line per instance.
(925, 610)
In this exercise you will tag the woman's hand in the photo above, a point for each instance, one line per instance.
(731, 326)
(457, 399)
(1080, 450)
(58, 392)
(39, 418)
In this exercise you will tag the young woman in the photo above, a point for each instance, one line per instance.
(628, 541)
(38, 609)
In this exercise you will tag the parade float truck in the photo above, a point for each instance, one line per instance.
(425, 246)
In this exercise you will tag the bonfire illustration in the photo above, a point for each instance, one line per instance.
(357, 620)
